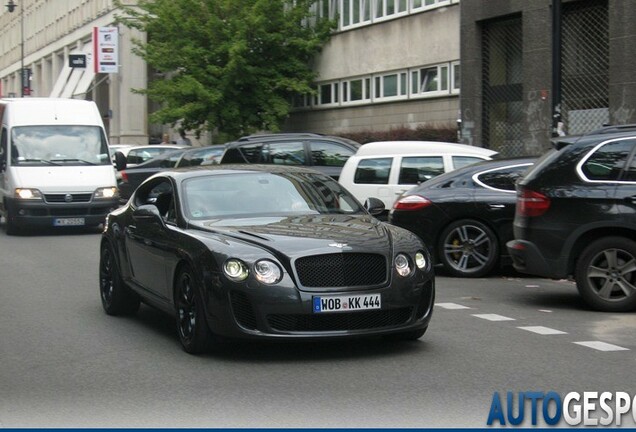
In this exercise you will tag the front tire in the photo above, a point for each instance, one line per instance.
(468, 248)
(606, 274)
(117, 298)
(194, 334)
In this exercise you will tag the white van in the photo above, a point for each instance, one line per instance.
(55, 167)
(387, 169)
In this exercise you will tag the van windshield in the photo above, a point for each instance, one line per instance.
(58, 145)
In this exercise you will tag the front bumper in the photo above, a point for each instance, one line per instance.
(287, 313)
(40, 214)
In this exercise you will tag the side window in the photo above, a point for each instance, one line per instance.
(160, 194)
(250, 153)
(329, 154)
(373, 171)
(606, 163)
(462, 161)
(503, 179)
(3, 150)
(286, 153)
(419, 169)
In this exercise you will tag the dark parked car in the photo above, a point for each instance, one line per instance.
(576, 215)
(323, 153)
(464, 216)
(263, 252)
(129, 178)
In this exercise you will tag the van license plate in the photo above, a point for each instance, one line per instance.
(68, 222)
(347, 303)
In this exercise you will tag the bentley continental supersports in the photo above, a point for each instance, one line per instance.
(263, 252)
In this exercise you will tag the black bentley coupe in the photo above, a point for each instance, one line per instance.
(263, 252)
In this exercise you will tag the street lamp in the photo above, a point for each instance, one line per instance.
(24, 76)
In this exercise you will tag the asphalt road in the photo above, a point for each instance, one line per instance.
(64, 363)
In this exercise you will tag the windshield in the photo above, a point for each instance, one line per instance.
(58, 145)
(257, 194)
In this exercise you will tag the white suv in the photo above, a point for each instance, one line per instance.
(387, 169)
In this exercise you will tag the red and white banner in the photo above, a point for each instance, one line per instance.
(106, 49)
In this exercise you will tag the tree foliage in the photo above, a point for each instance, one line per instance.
(231, 65)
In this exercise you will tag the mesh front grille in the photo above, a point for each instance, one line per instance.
(243, 312)
(341, 269)
(340, 321)
(61, 198)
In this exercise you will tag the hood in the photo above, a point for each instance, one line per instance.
(58, 179)
(306, 235)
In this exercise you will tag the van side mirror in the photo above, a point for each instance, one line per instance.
(374, 206)
(120, 161)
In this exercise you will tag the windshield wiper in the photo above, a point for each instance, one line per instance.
(45, 161)
(74, 160)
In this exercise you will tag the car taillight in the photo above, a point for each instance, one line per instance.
(411, 202)
(531, 203)
(124, 176)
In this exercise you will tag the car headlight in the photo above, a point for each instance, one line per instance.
(28, 194)
(402, 265)
(235, 269)
(267, 272)
(105, 193)
(420, 260)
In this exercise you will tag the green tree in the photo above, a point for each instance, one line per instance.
(231, 65)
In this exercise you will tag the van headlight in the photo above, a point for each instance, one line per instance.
(105, 193)
(28, 194)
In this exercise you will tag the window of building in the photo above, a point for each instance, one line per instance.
(390, 85)
(455, 77)
(417, 5)
(430, 80)
(355, 12)
(390, 8)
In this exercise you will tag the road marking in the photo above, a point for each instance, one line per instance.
(493, 317)
(542, 330)
(451, 306)
(601, 346)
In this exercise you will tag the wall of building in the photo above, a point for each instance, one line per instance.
(52, 30)
(417, 40)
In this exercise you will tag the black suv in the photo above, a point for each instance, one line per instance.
(324, 153)
(576, 215)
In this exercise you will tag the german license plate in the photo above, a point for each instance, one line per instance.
(68, 222)
(347, 303)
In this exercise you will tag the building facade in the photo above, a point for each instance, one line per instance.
(537, 69)
(390, 64)
(43, 35)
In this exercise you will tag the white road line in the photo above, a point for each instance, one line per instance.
(493, 317)
(451, 306)
(542, 330)
(601, 346)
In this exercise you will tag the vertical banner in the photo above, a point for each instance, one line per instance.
(106, 49)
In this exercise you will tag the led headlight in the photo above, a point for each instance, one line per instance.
(235, 269)
(420, 260)
(28, 194)
(267, 272)
(105, 193)
(402, 265)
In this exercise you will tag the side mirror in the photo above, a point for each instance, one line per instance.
(120, 161)
(147, 213)
(374, 206)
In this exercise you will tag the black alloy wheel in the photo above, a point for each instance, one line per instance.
(117, 298)
(194, 334)
(606, 274)
(468, 248)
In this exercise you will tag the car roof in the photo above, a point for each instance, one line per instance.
(204, 170)
(605, 133)
(290, 136)
(382, 148)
